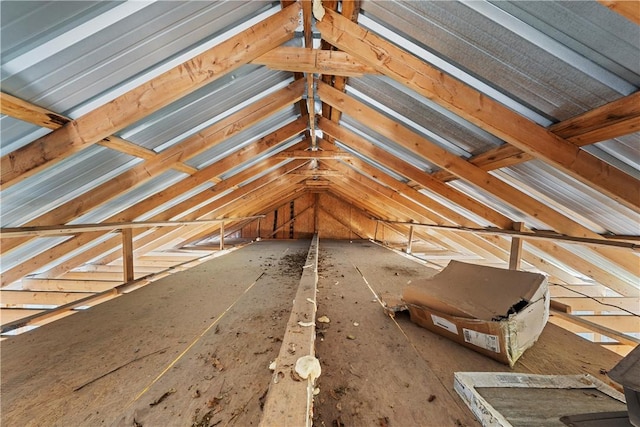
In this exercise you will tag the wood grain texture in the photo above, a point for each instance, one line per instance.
(479, 109)
(460, 167)
(190, 147)
(150, 96)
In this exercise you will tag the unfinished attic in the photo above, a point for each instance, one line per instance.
(193, 192)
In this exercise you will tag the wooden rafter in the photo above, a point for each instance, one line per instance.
(192, 146)
(154, 201)
(409, 171)
(500, 247)
(479, 109)
(470, 173)
(112, 245)
(626, 8)
(244, 194)
(36, 115)
(412, 203)
(357, 143)
(617, 118)
(150, 96)
(430, 208)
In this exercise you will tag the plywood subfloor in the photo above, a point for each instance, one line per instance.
(220, 372)
(197, 345)
(397, 374)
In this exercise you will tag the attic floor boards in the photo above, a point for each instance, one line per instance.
(374, 373)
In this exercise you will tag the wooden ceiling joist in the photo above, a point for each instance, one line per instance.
(479, 109)
(296, 59)
(617, 118)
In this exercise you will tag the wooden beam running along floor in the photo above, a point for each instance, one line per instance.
(290, 397)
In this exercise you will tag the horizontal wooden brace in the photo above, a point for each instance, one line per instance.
(594, 327)
(45, 314)
(598, 304)
(317, 183)
(304, 154)
(56, 230)
(533, 235)
(316, 172)
(314, 61)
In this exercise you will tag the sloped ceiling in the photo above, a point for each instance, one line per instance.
(458, 114)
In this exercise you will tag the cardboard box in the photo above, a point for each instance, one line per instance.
(499, 313)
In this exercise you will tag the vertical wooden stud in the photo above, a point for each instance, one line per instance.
(515, 256)
(410, 239)
(222, 236)
(127, 254)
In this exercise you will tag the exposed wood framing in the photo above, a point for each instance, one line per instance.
(303, 60)
(40, 260)
(190, 147)
(594, 327)
(405, 169)
(628, 9)
(245, 195)
(53, 230)
(127, 254)
(598, 304)
(515, 255)
(611, 120)
(618, 118)
(149, 97)
(321, 172)
(460, 167)
(25, 111)
(19, 298)
(519, 232)
(478, 109)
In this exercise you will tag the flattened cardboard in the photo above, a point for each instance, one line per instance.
(472, 305)
(473, 291)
